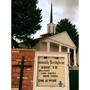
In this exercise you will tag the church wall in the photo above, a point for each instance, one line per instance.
(43, 46)
(37, 46)
(54, 48)
(64, 49)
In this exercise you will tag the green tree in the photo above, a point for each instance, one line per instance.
(26, 18)
(66, 25)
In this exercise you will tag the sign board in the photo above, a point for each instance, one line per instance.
(51, 70)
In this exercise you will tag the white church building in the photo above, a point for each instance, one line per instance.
(61, 42)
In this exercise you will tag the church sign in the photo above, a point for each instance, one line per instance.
(51, 71)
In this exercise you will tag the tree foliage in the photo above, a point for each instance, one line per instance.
(66, 25)
(26, 18)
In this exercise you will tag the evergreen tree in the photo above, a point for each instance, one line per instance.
(26, 18)
(65, 25)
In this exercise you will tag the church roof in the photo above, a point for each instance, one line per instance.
(60, 38)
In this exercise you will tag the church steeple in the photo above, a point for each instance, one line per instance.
(51, 27)
(51, 16)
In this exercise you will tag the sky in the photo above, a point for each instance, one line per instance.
(61, 9)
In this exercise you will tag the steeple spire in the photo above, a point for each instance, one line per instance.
(51, 17)
(51, 26)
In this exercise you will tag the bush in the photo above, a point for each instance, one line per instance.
(74, 79)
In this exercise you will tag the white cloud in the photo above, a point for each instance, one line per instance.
(69, 7)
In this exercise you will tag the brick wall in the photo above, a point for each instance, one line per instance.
(29, 55)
